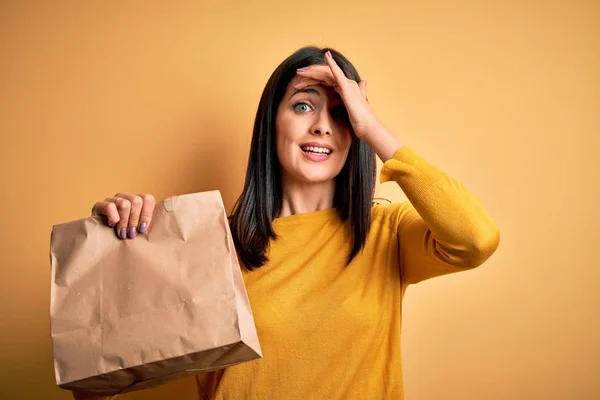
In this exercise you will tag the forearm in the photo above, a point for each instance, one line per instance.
(382, 141)
(462, 231)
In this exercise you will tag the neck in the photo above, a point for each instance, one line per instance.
(302, 197)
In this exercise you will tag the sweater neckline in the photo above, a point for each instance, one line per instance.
(313, 217)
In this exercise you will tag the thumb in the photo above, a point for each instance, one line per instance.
(363, 89)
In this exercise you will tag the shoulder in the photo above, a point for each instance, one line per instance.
(392, 214)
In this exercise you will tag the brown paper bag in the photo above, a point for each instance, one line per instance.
(131, 314)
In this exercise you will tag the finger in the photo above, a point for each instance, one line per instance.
(319, 73)
(123, 206)
(107, 209)
(363, 88)
(147, 212)
(301, 84)
(134, 213)
(336, 71)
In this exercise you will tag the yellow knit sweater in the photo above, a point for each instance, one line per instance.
(330, 331)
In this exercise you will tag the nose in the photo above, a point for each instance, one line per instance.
(322, 126)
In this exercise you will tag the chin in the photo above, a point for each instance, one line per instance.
(311, 173)
(316, 177)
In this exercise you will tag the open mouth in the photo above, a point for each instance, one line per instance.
(324, 151)
(316, 152)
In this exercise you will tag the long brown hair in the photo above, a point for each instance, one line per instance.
(261, 198)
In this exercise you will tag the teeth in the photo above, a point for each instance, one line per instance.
(320, 150)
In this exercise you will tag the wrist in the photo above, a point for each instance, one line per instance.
(382, 141)
(370, 128)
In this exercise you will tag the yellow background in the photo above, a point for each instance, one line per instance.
(98, 97)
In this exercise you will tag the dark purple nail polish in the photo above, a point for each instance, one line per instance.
(131, 232)
(123, 233)
(143, 227)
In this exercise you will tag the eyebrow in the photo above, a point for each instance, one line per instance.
(306, 90)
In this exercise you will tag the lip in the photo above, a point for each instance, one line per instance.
(313, 156)
(317, 144)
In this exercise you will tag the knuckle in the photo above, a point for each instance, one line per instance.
(148, 198)
(111, 207)
(123, 204)
(137, 201)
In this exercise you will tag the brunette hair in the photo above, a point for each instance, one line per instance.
(260, 201)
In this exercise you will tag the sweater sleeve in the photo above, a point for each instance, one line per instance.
(443, 228)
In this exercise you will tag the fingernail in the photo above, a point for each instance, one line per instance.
(302, 69)
(123, 233)
(143, 227)
(131, 232)
(328, 54)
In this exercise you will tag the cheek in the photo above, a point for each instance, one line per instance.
(289, 129)
(345, 141)
(285, 137)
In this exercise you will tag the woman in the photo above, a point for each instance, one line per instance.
(326, 269)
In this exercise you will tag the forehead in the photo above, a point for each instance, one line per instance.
(319, 91)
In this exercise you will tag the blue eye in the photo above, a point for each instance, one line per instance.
(302, 107)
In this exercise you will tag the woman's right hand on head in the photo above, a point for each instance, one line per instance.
(127, 213)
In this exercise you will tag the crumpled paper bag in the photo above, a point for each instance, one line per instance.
(131, 314)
